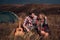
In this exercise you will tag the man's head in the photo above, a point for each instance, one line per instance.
(32, 14)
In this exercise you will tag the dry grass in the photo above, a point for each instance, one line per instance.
(7, 30)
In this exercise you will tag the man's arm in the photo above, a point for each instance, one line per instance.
(24, 24)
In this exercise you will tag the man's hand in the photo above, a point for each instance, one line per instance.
(28, 30)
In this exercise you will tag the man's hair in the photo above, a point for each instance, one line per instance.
(33, 12)
(30, 13)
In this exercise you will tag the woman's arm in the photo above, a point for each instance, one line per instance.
(46, 21)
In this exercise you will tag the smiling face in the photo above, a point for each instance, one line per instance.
(40, 16)
(33, 15)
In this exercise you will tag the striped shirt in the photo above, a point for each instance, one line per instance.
(28, 22)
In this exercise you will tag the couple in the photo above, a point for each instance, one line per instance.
(37, 22)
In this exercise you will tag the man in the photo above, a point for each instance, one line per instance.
(29, 22)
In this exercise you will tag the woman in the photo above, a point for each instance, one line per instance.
(43, 25)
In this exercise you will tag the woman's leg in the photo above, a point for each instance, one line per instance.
(45, 34)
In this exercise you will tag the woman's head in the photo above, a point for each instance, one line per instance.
(41, 15)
